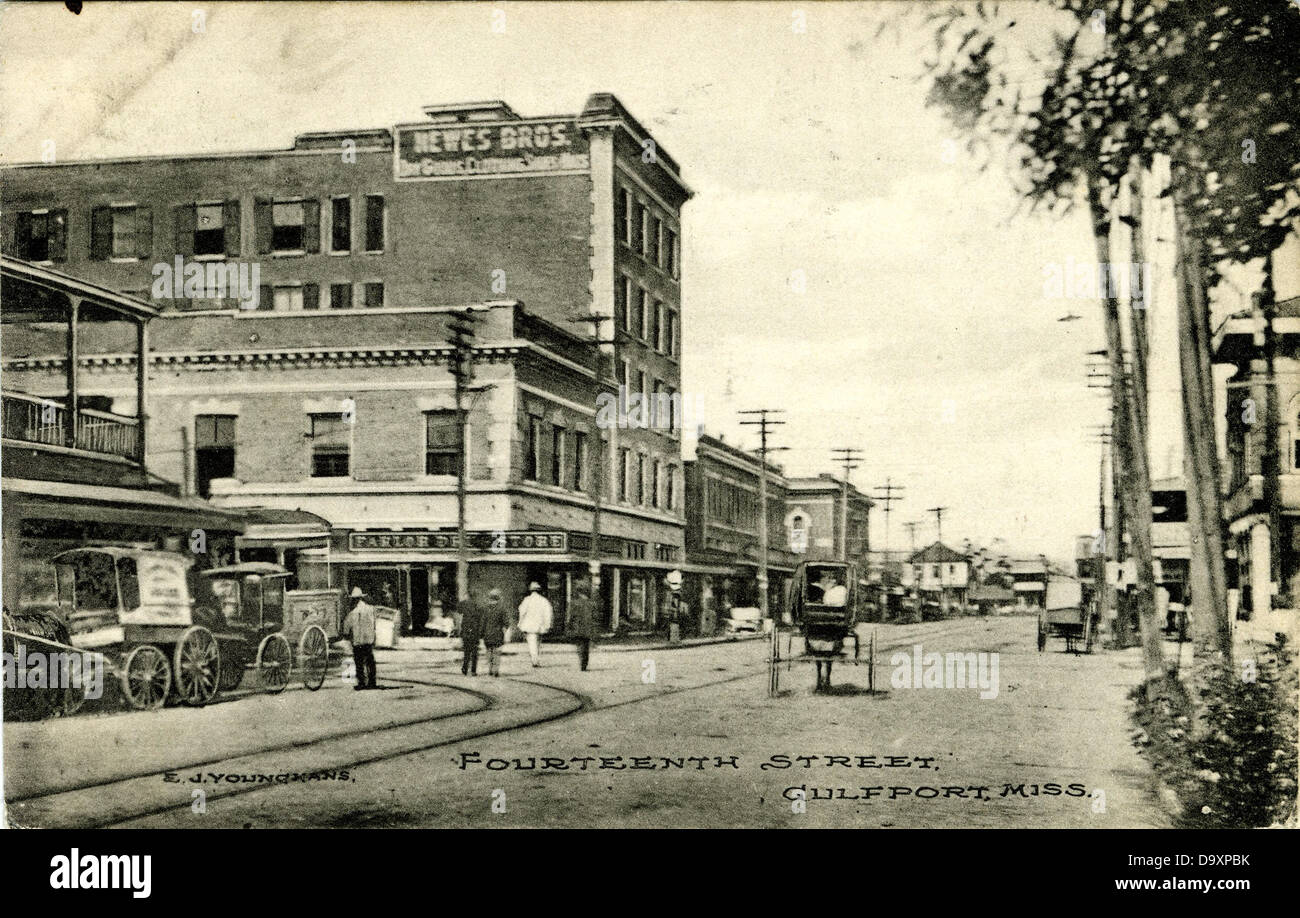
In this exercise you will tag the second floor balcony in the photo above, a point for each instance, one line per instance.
(51, 428)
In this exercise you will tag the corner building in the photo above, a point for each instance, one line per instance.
(302, 366)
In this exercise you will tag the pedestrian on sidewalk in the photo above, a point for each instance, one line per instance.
(535, 618)
(359, 626)
(471, 632)
(582, 623)
(494, 630)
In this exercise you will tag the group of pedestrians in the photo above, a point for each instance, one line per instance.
(486, 623)
(482, 623)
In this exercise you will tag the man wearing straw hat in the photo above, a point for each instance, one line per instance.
(535, 615)
(359, 626)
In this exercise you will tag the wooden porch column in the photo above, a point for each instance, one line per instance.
(141, 381)
(70, 410)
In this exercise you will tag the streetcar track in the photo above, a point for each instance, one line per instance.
(585, 704)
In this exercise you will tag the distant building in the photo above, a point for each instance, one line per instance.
(722, 532)
(1171, 543)
(1029, 578)
(941, 574)
(815, 521)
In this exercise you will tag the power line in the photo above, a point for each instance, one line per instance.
(763, 423)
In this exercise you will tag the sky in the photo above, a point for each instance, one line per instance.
(844, 258)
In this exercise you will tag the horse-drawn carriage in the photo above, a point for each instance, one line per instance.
(1066, 615)
(823, 605)
(170, 632)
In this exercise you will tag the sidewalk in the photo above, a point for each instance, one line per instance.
(630, 642)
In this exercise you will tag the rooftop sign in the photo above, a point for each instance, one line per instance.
(498, 149)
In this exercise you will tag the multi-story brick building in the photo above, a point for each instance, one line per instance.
(722, 531)
(320, 382)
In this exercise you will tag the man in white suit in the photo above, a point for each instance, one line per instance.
(535, 614)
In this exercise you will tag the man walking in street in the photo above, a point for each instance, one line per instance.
(494, 630)
(535, 617)
(359, 626)
(471, 631)
(582, 623)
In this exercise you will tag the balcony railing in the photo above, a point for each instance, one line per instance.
(38, 420)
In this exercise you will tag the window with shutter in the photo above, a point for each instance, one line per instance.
(101, 233)
(230, 223)
(311, 226)
(41, 235)
(287, 234)
(374, 223)
(209, 229)
(579, 460)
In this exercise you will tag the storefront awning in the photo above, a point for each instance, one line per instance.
(127, 506)
(270, 527)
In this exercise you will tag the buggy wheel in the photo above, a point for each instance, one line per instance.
(232, 671)
(313, 657)
(146, 677)
(274, 661)
(197, 666)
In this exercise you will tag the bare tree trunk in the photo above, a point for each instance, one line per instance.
(1135, 471)
(1211, 629)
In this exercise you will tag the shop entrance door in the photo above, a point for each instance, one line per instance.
(419, 599)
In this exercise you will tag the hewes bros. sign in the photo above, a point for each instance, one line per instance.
(448, 152)
(498, 541)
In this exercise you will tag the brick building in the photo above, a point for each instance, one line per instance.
(722, 532)
(300, 359)
(814, 518)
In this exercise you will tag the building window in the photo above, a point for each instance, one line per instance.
(289, 227)
(623, 215)
(214, 450)
(374, 223)
(579, 460)
(653, 317)
(120, 232)
(624, 382)
(442, 450)
(656, 473)
(210, 229)
(674, 419)
(340, 296)
(645, 231)
(557, 456)
(656, 229)
(42, 235)
(670, 488)
(341, 224)
(624, 458)
(674, 345)
(287, 298)
(374, 295)
(620, 303)
(533, 450)
(637, 227)
(799, 533)
(660, 412)
(660, 336)
(671, 254)
(640, 479)
(330, 445)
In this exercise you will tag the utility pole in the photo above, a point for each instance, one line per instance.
(596, 320)
(892, 492)
(911, 528)
(849, 458)
(763, 423)
(938, 523)
(461, 338)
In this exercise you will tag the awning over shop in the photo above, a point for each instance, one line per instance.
(269, 527)
(127, 506)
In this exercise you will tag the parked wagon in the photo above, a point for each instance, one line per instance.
(133, 605)
(270, 629)
(1066, 615)
(172, 633)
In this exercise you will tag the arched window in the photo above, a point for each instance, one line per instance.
(799, 533)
